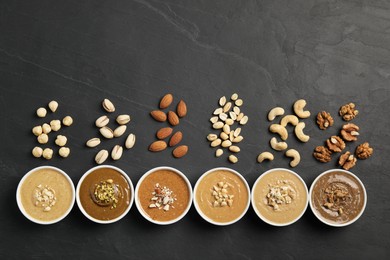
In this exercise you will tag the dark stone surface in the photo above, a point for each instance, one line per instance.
(132, 52)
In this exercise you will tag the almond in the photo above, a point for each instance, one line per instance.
(176, 138)
(181, 109)
(159, 115)
(166, 101)
(157, 146)
(180, 151)
(164, 132)
(173, 119)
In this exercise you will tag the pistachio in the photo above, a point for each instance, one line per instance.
(123, 119)
(67, 121)
(130, 141)
(102, 121)
(108, 105)
(43, 138)
(101, 156)
(53, 105)
(61, 140)
(41, 112)
(37, 151)
(46, 128)
(116, 152)
(37, 130)
(106, 132)
(47, 153)
(64, 152)
(120, 130)
(55, 125)
(218, 152)
(93, 142)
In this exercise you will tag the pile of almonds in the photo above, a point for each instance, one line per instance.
(336, 144)
(224, 117)
(108, 133)
(42, 133)
(163, 133)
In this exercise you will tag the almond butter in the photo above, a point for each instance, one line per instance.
(181, 109)
(164, 133)
(158, 146)
(176, 138)
(173, 119)
(159, 115)
(180, 151)
(166, 101)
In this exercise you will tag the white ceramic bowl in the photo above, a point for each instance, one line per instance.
(19, 200)
(196, 203)
(322, 219)
(99, 220)
(264, 218)
(138, 203)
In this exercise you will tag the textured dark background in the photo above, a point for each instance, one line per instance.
(132, 52)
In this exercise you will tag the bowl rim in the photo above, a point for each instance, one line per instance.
(270, 171)
(324, 220)
(196, 204)
(138, 203)
(20, 204)
(80, 206)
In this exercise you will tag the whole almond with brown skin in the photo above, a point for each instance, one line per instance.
(159, 115)
(173, 119)
(164, 132)
(158, 146)
(166, 101)
(175, 139)
(181, 109)
(180, 151)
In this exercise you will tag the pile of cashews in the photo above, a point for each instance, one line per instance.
(281, 130)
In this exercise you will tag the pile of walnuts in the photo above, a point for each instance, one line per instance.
(336, 144)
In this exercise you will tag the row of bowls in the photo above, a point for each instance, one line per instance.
(75, 196)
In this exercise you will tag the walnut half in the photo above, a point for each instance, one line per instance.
(324, 120)
(348, 112)
(349, 132)
(363, 151)
(335, 144)
(322, 154)
(347, 160)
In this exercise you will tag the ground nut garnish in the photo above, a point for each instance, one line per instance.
(222, 194)
(106, 193)
(280, 194)
(44, 197)
(162, 198)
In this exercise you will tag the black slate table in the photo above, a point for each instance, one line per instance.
(133, 52)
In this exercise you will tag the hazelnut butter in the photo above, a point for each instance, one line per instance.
(163, 195)
(222, 196)
(337, 197)
(105, 194)
(279, 197)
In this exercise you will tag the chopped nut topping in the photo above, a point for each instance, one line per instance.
(220, 193)
(282, 193)
(349, 132)
(163, 198)
(363, 151)
(106, 193)
(347, 160)
(337, 196)
(322, 154)
(348, 112)
(44, 197)
(335, 144)
(324, 120)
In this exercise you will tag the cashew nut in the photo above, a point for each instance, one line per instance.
(298, 109)
(279, 129)
(289, 119)
(278, 146)
(299, 132)
(276, 111)
(295, 155)
(265, 156)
